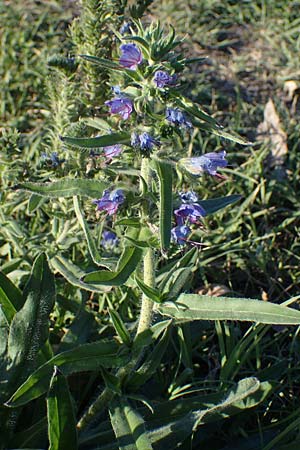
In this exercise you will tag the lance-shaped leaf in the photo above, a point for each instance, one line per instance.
(30, 326)
(87, 357)
(99, 141)
(106, 63)
(129, 426)
(11, 298)
(66, 187)
(203, 307)
(60, 411)
(164, 172)
(215, 204)
(95, 255)
(120, 327)
(127, 263)
(74, 274)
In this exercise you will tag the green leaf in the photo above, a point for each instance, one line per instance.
(203, 307)
(87, 357)
(30, 326)
(74, 274)
(214, 204)
(106, 63)
(11, 298)
(129, 427)
(151, 363)
(61, 417)
(126, 265)
(99, 141)
(120, 327)
(34, 203)
(150, 292)
(164, 172)
(66, 187)
(95, 255)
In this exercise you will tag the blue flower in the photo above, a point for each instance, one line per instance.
(144, 141)
(112, 150)
(180, 233)
(189, 212)
(120, 105)
(176, 116)
(209, 162)
(52, 159)
(110, 201)
(131, 56)
(188, 196)
(109, 240)
(125, 28)
(162, 78)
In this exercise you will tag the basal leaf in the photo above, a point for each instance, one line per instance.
(61, 416)
(129, 427)
(30, 326)
(87, 357)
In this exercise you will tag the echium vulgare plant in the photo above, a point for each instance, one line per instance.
(147, 248)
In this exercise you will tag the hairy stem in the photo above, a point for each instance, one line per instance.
(149, 260)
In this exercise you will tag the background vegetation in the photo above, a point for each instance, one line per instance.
(251, 51)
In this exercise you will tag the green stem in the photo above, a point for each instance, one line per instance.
(145, 315)
(149, 260)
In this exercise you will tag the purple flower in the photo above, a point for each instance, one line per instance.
(209, 162)
(162, 78)
(110, 201)
(120, 105)
(109, 240)
(176, 116)
(144, 141)
(113, 150)
(180, 233)
(191, 212)
(188, 196)
(131, 56)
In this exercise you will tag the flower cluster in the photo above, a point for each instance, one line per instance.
(120, 105)
(144, 141)
(189, 212)
(110, 201)
(162, 78)
(178, 118)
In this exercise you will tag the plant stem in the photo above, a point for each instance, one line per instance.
(149, 260)
(145, 315)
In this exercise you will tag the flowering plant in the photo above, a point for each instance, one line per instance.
(152, 218)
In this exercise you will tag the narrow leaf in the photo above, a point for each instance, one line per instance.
(214, 204)
(120, 327)
(61, 417)
(149, 291)
(99, 141)
(127, 264)
(106, 63)
(87, 357)
(203, 307)
(164, 172)
(95, 255)
(66, 187)
(10, 297)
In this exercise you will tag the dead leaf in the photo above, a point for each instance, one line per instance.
(215, 290)
(290, 87)
(271, 131)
